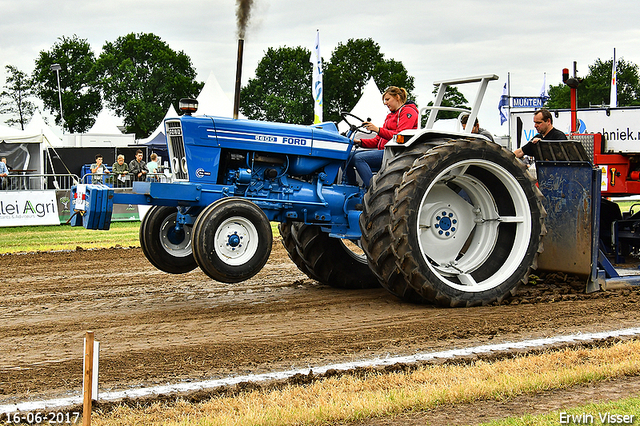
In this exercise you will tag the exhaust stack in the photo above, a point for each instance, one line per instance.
(236, 100)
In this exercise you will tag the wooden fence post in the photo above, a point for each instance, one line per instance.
(88, 376)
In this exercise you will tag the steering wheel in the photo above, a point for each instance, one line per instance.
(354, 127)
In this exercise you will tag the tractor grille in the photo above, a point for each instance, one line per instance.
(177, 153)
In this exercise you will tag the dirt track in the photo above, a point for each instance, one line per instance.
(156, 328)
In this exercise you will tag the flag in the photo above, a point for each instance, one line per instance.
(316, 83)
(503, 104)
(613, 101)
(544, 93)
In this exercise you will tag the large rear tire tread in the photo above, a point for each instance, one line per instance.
(326, 259)
(288, 231)
(375, 221)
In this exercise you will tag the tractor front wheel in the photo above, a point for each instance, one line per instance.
(232, 240)
(165, 243)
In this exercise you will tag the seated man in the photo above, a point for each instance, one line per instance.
(98, 169)
(476, 127)
(4, 173)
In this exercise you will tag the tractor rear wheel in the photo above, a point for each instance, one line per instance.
(465, 224)
(377, 239)
(166, 246)
(291, 241)
(232, 240)
(331, 261)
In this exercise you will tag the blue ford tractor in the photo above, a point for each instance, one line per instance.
(451, 218)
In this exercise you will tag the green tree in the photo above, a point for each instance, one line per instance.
(595, 88)
(350, 67)
(81, 100)
(559, 97)
(15, 99)
(140, 76)
(281, 89)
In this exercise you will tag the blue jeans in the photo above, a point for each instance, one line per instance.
(365, 161)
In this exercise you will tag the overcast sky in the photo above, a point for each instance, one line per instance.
(435, 40)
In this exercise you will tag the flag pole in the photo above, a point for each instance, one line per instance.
(613, 96)
(316, 81)
(509, 106)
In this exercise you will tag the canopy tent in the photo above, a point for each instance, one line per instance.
(171, 113)
(38, 125)
(13, 135)
(213, 101)
(157, 142)
(106, 123)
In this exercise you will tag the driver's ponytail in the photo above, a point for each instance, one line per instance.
(400, 92)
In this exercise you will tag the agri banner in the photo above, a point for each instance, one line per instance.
(24, 208)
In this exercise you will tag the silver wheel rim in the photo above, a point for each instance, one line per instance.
(457, 234)
(236, 241)
(177, 248)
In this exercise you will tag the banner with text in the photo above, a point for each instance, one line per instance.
(619, 126)
(24, 208)
(526, 102)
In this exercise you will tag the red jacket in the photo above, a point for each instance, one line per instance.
(406, 117)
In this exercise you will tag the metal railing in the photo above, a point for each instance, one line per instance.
(31, 182)
(122, 181)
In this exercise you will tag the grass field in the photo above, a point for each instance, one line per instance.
(65, 237)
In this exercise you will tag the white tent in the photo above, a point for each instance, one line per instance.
(38, 125)
(212, 100)
(106, 123)
(13, 135)
(369, 106)
(22, 148)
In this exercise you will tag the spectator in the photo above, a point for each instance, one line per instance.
(153, 165)
(138, 168)
(98, 169)
(120, 171)
(476, 127)
(402, 115)
(4, 173)
(543, 122)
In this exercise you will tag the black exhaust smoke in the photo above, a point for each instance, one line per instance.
(243, 13)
